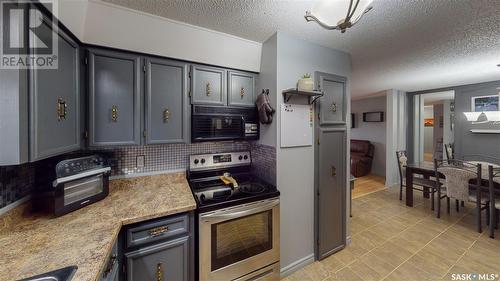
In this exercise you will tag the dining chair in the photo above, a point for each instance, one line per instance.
(423, 183)
(494, 179)
(458, 175)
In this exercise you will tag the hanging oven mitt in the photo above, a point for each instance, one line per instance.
(264, 107)
(228, 180)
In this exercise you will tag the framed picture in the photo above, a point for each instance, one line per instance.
(485, 103)
(429, 122)
(375, 116)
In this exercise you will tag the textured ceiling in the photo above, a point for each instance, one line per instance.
(400, 44)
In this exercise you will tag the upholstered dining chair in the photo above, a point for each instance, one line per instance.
(402, 159)
(458, 175)
(494, 179)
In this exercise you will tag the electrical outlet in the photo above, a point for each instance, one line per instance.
(139, 161)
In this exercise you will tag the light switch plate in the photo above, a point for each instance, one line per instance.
(139, 161)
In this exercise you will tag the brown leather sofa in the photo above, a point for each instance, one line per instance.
(361, 157)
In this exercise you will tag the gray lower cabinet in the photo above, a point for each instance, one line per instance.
(114, 98)
(166, 101)
(333, 105)
(164, 261)
(55, 99)
(208, 85)
(241, 87)
(331, 190)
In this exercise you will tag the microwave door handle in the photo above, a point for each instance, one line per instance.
(236, 213)
(243, 127)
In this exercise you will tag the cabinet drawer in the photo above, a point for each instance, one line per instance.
(157, 230)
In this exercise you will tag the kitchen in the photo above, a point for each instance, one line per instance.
(134, 163)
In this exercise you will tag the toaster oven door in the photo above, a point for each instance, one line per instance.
(81, 189)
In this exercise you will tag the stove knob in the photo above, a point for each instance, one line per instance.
(202, 160)
(240, 158)
(202, 197)
(196, 161)
(245, 157)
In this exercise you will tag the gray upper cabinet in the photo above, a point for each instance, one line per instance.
(166, 99)
(55, 100)
(208, 85)
(241, 87)
(333, 105)
(114, 98)
(164, 261)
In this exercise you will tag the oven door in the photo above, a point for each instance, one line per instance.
(217, 127)
(238, 240)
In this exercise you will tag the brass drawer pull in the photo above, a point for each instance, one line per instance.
(209, 89)
(159, 272)
(166, 115)
(158, 231)
(242, 92)
(62, 109)
(114, 113)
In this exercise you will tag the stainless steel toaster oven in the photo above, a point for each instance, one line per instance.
(69, 184)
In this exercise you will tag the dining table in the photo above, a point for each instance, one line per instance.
(426, 169)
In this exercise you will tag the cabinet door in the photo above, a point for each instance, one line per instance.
(166, 110)
(332, 106)
(208, 85)
(165, 261)
(331, 187)
(241, 87)
(55, 96)
(114, 107)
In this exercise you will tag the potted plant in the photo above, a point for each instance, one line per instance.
(305, 83)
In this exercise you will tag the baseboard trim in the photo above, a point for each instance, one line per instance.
(294, 266)
(348, 240)
(15, 204)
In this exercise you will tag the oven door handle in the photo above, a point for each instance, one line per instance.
(239, 212)
(81, 175)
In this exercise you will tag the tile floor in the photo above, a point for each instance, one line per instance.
(393, 242)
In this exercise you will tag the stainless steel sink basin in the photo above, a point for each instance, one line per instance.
(63, 274)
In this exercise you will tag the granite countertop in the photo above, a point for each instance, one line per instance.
(34, 243)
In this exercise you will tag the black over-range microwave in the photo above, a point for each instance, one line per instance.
(213, 123)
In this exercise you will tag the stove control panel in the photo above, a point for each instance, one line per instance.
(218, 160)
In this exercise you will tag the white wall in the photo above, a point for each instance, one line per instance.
(396, 129)
(295, 166)
(375, 132)
(99, 23)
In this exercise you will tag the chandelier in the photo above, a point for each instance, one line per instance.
(338, 14)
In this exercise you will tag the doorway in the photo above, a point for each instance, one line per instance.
(434, 125)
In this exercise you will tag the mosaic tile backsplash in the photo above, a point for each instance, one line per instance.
(18, 181)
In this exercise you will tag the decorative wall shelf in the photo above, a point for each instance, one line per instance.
(311, 95)
(485, 131)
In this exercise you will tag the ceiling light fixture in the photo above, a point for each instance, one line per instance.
(338, 14)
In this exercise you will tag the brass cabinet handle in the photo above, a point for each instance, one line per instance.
(209, 89)
(158, 231)
(166, 115)
(159, 272)
(242, 92)
(334, 171)
(114, 113)
(62, 109)
(334, 107)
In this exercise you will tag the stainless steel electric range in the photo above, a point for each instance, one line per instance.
(238, 218)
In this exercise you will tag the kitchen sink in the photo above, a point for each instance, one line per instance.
(63, 274)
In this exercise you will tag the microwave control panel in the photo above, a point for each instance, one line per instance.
(78, 165)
